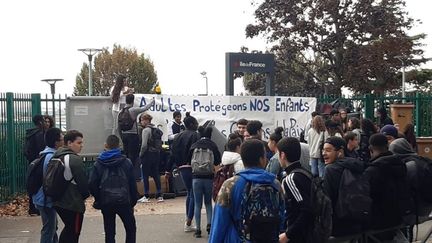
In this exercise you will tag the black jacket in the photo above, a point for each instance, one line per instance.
(384, 173)
(181, 146)
(297, 190)
(205, 143)
(98, 170)
(332, 178)
(34, 143)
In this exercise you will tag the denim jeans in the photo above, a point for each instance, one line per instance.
(150, 167)
(186, 174)
(317, 167)
(126, 214)
(131, 149)
(202, 188)
(49, 224)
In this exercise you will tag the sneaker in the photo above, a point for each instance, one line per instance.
(197, 234)
(189, 228)
(160, 199)
(144, 200)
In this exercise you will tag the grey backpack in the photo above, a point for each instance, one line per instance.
(202, 161)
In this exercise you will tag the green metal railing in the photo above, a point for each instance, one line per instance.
(17, 110)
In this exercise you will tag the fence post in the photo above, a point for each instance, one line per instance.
(11, 147)
(369, 106)
(36, 104)
(418, 101)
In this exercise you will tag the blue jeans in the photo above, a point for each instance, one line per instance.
(202, 188)
(317, 167)
(49, 224)
(186, 174)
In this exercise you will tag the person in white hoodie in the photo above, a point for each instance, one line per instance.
(232, 155)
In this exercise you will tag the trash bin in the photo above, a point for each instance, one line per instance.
(402, 114)
(424, 145)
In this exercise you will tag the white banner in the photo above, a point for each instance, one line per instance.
(291, 113)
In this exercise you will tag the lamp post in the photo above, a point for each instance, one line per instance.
(403, 60)
(204, 74)
(52, 83)
(90, 52)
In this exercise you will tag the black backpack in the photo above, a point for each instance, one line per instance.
(54, 182)
(322, 209)
(114, 187)
(354, 202)
(155, 141)
(35, 175)
(125, 120)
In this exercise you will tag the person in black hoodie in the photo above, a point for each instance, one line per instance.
(388, 186)
(202, 184)
(296, 187)
(112, 159)
(336, 163)
(34, 143)
(180, 150)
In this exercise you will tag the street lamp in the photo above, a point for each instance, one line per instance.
(403, 59)
(52, 83)
(204, 74)
(90, 52)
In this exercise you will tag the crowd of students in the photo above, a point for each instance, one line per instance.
(274, 191)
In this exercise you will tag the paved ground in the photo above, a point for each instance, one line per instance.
(156, 222)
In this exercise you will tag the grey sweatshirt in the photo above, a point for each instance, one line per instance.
(134, 112)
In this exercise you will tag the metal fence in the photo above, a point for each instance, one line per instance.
(17, 110)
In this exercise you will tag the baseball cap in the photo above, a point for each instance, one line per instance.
(389, 130)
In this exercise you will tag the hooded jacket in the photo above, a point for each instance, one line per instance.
(39, 198)
(145, 138)
(77, 191)
(401, 146)
(233, 158)
(109, 159)
(34, 143)
(332, 179)
(384, 173)
(228, 204)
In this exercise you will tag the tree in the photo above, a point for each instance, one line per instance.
(138, 69)
(356, 41)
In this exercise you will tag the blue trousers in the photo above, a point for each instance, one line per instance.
(49, 224)
(202, 188)
(186, 174)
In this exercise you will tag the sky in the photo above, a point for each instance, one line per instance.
(39, 39)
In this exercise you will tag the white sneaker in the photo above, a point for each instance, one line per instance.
(189, 228)
(160, 199)
(144, 200)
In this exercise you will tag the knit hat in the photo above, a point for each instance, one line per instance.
(389, 130)
(337, 142)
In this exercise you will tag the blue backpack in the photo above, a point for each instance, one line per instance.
(260, 213)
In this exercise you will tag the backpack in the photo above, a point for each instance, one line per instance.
(260, 213)
(125, 120)
(114, 187)
(222, 174)
(35, 175)
(354, 201)
(322, 209)
(155, 141)
(202, 161)
(54, 183)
